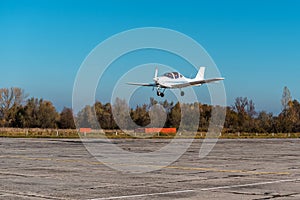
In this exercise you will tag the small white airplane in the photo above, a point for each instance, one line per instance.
(173, 80)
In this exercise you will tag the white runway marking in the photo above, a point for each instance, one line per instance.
(250, 184)
(29, 195)
(143, 195)
(204, 189)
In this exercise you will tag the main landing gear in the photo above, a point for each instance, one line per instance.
(159, 92)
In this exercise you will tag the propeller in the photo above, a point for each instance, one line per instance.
(155, 75)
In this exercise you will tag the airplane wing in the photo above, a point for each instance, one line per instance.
(143, 84)
(200, 82)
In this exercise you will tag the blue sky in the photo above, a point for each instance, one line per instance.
(255, 44)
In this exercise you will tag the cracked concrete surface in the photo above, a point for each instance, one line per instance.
(254, 169)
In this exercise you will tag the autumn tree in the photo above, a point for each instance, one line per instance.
(10, 97)
(288, 117)
(140, 115)
(175, 116)
(16, 116)
(66, 119)
(15, 111)
(240, 106)
(105, 116)
(158, 116)
(167, 105)
(246, 112)
(121, 114)
(265, 122)
(205, 115)
(47, 114)
(190, 116)
(86, 118)
(39, 113)
(296, 108)
(231, 121)
(286, 99)
(31, 113)
(251, 109)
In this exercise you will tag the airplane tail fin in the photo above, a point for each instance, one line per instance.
(200, 74)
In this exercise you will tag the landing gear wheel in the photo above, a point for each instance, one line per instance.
(182, 93)
(158, 93)
(162, 94)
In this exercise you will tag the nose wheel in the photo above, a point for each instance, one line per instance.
(182, 93)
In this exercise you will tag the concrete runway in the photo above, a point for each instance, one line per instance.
(235, 169)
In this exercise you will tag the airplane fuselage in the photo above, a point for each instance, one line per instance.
(166, 82)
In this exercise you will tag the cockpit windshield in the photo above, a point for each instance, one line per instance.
(176, 75)
(173, 75)
(169, 75)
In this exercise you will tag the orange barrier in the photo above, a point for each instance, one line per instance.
(155, 130)
(85, 130)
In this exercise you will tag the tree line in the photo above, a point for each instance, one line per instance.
(19, 111)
